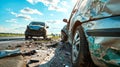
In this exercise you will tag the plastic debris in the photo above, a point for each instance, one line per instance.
(4, 53)
(33, 61)
(29, 53)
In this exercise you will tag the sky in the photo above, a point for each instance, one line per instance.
(15, 15)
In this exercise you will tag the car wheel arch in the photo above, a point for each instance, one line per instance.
(76, 24)
(88, 60)
(64, 35)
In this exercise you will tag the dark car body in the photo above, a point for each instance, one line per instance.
(36, 29)
(94, 33)
(64, 34)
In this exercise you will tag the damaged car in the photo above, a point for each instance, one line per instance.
(94, 33)
(36, 29)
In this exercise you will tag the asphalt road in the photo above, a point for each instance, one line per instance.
(11, 38)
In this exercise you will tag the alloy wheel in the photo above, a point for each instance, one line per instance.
(75, 46)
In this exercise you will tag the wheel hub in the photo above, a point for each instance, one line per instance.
(75, 47)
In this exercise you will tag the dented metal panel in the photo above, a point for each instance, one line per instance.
(104, 47)
(91, 9)
(100, 20)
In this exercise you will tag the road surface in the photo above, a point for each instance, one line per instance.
(11, 38)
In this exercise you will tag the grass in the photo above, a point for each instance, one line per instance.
(55, 37)
(10, 34)
(50, 37)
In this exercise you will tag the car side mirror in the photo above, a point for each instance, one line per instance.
(65, 20)
(47, 26)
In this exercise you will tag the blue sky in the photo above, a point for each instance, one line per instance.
(15, 15)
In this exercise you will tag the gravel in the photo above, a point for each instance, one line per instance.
(48, 53)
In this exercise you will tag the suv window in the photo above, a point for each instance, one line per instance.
(38, 23)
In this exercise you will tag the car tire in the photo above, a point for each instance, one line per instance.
(80, 50)
(64, 36)
(45, 37)
(26, 37)
(31, 37)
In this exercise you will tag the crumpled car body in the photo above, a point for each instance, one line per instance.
(36, 29)
(104, 40)
(100, 20)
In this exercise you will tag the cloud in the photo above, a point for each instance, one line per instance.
(16, 25)
(55, 25)
(74, 1)
(51, 14)
(27, 17)
(12, 21)
(65, 4)
(16, 28)
(12, 30)
(53, 21)
(45, 2)
(25, 13)
(24, 16)
(8, 9)
(3, 29)
(57, 8)
(13, 13)
(28, 10)
(57, 5)
(31, 1)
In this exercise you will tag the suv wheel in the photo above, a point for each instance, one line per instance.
(80, 50)
(44, 37)
(26, 37)
(31, 37)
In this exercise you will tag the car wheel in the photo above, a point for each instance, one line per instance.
(44, 37)
(26, 37)
(30, 37)
(80, 50)
(63, 36)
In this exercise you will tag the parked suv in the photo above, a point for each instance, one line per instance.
(94, 33)
(36, 29)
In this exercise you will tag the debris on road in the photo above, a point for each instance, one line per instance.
(5, 53)
(45, 53)
(62, 56)
(29, 53)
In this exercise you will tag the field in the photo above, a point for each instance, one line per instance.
(10, 34)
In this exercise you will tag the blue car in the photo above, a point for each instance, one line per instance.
(36, 29)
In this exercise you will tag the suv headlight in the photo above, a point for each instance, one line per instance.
(42, 29)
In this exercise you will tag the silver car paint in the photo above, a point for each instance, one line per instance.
(102, 45)
(92, 9)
